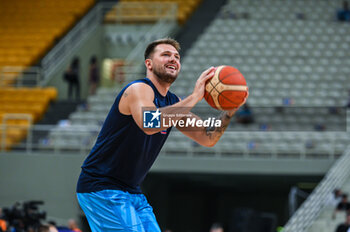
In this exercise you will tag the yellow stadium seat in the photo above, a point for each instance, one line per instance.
(29, 101)
(28, 29)
(33, 26)
(13, 129)
(138, 13)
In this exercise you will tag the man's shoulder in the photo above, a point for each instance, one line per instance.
(138, 86)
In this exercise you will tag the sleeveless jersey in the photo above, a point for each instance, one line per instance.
(123, 153)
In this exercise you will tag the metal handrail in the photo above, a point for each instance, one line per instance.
(52, 61)
(84, 132)
(5, 125)
(54, 138)
(311, 208)
(250, 143)
(19, 75)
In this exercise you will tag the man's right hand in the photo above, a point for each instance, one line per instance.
(199, 88)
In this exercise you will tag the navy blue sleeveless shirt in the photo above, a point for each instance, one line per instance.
(123, 153)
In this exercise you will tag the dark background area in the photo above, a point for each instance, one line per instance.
(192, 202)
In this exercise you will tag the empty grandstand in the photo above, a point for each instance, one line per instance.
(293, 54)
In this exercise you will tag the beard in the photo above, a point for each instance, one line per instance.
(163, 75)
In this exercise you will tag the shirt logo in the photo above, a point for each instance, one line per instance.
(151, 118)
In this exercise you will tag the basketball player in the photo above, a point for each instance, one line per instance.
(108, 189)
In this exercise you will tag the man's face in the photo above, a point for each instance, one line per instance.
(165, 62)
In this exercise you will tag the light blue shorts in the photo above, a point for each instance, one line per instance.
(115, 210)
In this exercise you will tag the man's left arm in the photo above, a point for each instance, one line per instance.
(208, 136)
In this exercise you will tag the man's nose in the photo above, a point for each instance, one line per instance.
(172, 58)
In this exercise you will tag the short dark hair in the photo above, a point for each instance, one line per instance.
(75, 62)
(150, 47)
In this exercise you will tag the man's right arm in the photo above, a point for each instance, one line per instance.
(139, 96)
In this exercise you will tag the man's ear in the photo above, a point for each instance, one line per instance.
(148, 64)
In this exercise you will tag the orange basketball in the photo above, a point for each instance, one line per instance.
(227, 89)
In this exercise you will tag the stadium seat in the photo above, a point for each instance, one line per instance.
(21, 107)
(144, 11)
(29, 29)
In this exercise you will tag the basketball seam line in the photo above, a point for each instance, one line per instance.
(209, 93)
(227, 98)
(212, 88)
(220, 80)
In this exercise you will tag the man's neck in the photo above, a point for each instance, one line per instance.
(161, 86)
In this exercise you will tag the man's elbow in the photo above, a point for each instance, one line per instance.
(209, 144)
(212, 144)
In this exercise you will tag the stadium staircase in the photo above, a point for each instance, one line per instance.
(316, 212)
(82, 124)
(56, 112)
